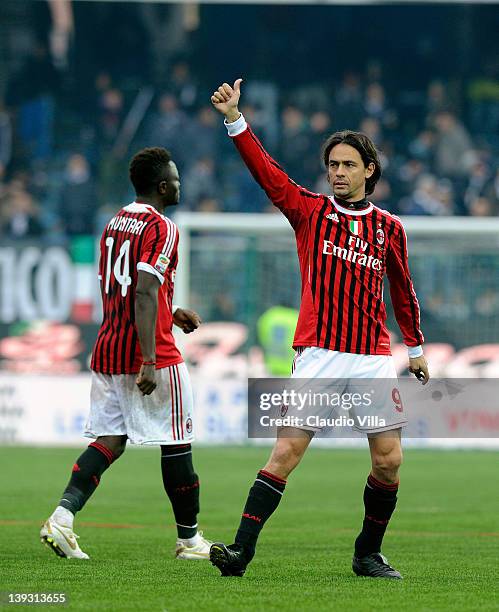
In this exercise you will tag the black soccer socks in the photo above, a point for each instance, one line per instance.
(182, 487)
(263, 499)
(87, 471)
(380, 500)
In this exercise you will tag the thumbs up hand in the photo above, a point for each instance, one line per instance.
(226, 99)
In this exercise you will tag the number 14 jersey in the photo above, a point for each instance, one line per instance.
(137, 238)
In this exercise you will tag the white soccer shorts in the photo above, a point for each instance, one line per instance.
(385, 411)
(117, 407)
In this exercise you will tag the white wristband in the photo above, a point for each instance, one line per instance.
(236, 127)
(415, 351)
(174, 308)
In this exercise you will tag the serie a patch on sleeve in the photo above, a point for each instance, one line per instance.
(162, 263)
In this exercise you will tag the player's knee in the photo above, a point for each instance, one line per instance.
(387, 464)
(116, 444)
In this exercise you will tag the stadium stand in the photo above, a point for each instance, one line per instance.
(68, 122)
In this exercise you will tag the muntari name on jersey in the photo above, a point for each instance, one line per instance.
(349, 254)
(130, 225)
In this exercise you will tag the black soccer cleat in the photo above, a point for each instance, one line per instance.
(375, 566)
(230, 560)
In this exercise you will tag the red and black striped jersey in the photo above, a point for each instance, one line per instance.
(137, 238)
(343, 256)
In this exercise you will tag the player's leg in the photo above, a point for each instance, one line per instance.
(380, 492)
(380, 499)
(88, 469)
(165, 418)
(107, 426)
(268, 488)
(263, 499)
(181, 484)
(179, 476)
(57, 531)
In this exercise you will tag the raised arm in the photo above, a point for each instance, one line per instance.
(294, 201)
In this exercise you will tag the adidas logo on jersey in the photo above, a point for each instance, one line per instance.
(332, 216)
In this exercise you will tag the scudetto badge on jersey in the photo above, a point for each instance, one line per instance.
(355, 227)
(162, 263)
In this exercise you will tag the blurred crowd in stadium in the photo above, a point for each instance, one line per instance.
(64, 146)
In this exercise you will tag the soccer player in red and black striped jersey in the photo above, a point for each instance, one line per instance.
(345, 246)
(140, 385)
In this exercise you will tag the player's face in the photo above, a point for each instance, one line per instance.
(171, 189)
(346, 172)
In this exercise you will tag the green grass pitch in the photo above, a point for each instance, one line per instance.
(444, 536)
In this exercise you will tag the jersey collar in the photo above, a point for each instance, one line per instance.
(134, 207)
(348, 211)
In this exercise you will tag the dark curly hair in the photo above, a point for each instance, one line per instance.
(148, 168)
(364, 146)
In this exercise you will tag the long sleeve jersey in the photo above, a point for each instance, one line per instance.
(343, 256)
